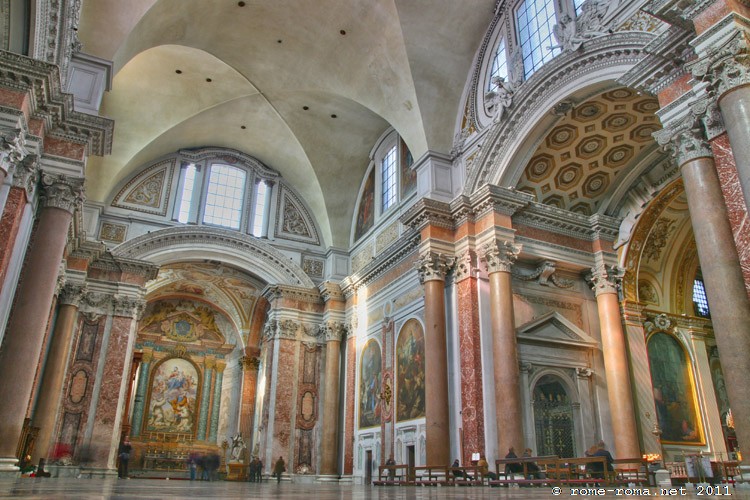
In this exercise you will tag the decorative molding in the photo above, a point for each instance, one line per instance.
(127, 306)
(589, 24)
(545, 275)
(61, 191)
(466, 266)
(274, 292)
(231, 157)
(116, 233)
(26, 175)
(47, 102)
(294, 220)
(273, 265)
(281, 329)
(685, 139)
(148, 191)
(97, 304)
(313, 267)
(605, 278)
(727, 66)
(584, 372)
(330, 291)
(499, 256)
(120, 264)
(333, 331)
(434, 266)
(249, 363)
(12, 148)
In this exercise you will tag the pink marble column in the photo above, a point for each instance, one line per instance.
(470, 361)
(351, 362)
(328, 448)
(25, 179)
(25, 330)
(53, 376)
(499, 257)
(110, 404)
(604, 281)
(722, 274)
(432, 270)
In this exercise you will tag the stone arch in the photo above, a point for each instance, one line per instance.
(605, 60)
(542, 415)
(179, 244)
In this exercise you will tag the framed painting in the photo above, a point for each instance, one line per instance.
(173, 397)
(369, 385)
(410, 402)
(674, 391)
(366, 209)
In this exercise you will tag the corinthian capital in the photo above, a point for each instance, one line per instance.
(499, 256)
(12, 148)
(72, 293)
(26, 175)
(131, 307)
(333, 331)
(685, 140)
(61, 191)
(604, 278)
(434, 266)
(727, 66)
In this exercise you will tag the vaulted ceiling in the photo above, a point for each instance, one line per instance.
(306, 87)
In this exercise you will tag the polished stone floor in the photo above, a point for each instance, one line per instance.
(144, 489)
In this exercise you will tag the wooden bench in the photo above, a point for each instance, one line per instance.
(465, 476)
(430, 475)
(630, 470)
(526, 476)
(578, 471)
(730, 472)
(392, 475)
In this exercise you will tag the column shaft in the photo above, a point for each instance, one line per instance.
(205, 397)
(214, 427)
(735, 110)
(50, 389)
(505, 354)
(725, 287)
(436, 369)
(140, 398)
(329, 457)
(25, 332)
(617, 370)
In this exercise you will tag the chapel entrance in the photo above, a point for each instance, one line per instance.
(553, 418)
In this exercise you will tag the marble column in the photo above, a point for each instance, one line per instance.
(141, 392)
(499, 257)
(53, 376)
(216, 402)
(209, 364)
(432, 269)
(334, 332)
(717, 254)
(604, 280)
(250, 364)
(470, 356)
(25, 332)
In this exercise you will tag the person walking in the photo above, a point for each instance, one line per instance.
(123, 453)
(258, 470)
(279, 468)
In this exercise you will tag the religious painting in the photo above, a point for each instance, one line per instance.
(408, 176)
(410, 371)
(173, 398)
(369, 385)
(674, 394)
(366, 210)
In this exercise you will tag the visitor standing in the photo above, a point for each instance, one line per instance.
(123, 453)
(279, 469)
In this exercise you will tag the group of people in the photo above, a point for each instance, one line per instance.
(208, 465)
(255, 470)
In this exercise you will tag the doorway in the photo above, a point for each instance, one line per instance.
(410, 461)
(553, 418)
(368, 467)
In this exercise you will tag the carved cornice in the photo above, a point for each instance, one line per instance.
(428, 212)
(330, 291)
(434, 266)
(274, 292)
(108, 262)
(12, 148)
(89, 250)
(560, 221)
(97, 302)
(502, 200)
(47, 102)
(61, 191)
(727, 66)
(26, 175)
(499, 256)
(604, 278)
(72, 293)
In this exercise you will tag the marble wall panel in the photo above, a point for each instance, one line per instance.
(284, 402)
(10, 223)
(351, 353)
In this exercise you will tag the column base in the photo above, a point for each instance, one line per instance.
(8, 467)
(744, 483)
(327, 478)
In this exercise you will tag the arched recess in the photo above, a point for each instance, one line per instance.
(605, 60)
(178, 244)
(554, 401)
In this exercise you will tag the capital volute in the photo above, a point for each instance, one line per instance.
(499, 256)
(604, 278)
(333, 331)
(72, 293)
(61, 191)
(148, 355)
(434, 266)
(685, 140)
(129, 307)
(12, 148)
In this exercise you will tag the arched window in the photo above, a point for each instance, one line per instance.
(499, 66)
(700, 301)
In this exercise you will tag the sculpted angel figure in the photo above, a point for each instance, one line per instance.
(499, 99)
